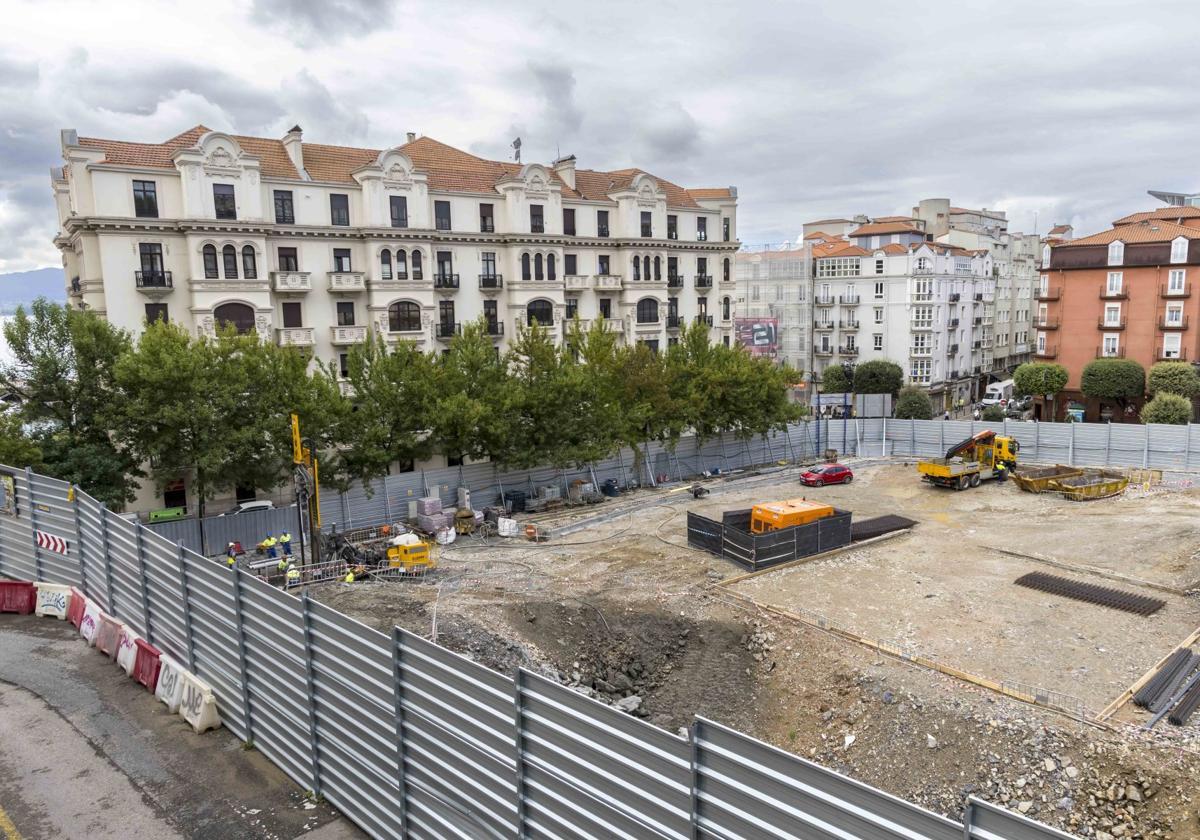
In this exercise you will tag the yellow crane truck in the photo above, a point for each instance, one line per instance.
(982, 456)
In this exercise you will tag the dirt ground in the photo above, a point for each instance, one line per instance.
(625, 609)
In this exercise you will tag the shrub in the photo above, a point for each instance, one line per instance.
(1116, 380)
(914, 404)
(1173, 378)
(1168, 408)
(993, 413)
(878, 377)
(835, 381)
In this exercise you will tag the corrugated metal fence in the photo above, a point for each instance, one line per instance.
(408, 739)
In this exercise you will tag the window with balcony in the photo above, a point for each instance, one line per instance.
(291, 314)
(1112, 316)
(1041, 343)
(877, 341)
(491, 316)
(725, 229)
(526, 270)
(398, 205)
(1174, 315)
(288, 260)
(441, 215)
(487, 218)
(672, 268)
(445, 266)
(447, 326)
(568, 221)
(285, 210)
(385, 265)
(572, 308)
(702, 306)
(605, 308)
(537, 221)
(701, 229)
(1179, 249)
(145, 200)
(672, 227)
(229, 262)
(339, 209)
(224, 201)
(152, 274)
(601, 223)
(1171, 346)
(156, 312)
(1176, 281)
(1111, 345)
(569, 264)
(1115, 280)
(341, 259)
(602, 264)
(1116, 253)
(647, 225)
(701, 266)
(404, 315)
(417, 266)
(487, 262)
(249, 263)
(237, 315)
(539, 312)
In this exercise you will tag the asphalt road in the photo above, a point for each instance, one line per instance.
(87, 752)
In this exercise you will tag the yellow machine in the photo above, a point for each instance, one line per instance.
(413, 556)
(982, 456)
(771, 516)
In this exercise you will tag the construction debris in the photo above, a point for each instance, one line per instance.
(1104, 596)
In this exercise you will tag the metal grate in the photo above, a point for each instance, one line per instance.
(877, 527)
(1102, 595)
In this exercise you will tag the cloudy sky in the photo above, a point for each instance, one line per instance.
(1069, 110)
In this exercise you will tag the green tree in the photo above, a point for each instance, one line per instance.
(835, 380)
(1173, 378)
(1168, 408)
(542, 402)
(878, 376)
(1040, 379)
(62, 371)
(1114, 380)
(913, 404)
(17, 448)
(993, 413)
(469, 418)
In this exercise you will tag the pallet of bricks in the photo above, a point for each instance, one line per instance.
(431, 518)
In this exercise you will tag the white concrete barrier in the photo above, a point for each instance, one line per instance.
(89, 628)
(170, 683)
(127, 651)
(52, 599)
(198, 706)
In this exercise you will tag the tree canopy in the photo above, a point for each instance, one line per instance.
(914, 404)
(1115, 380)
(878, 376)
(1167, 408)
(835, 380)
(1173, 378)
(1039, 379)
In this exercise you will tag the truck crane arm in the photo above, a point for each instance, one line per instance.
(974, 440)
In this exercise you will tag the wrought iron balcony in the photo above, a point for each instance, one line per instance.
(1103, 353)
(494, 328)
(1048, 293)
(153, 280)
(1179, 292)
(674, 322)
(446, 330)
(1108, 326)
(445, 282)
(703, 281)
(849, 300)
(487, 225)
(1046, 353)
(1181, 324)
(491, 281)
(1113, 294)
(674, 281)
(1045, 323)
(704, 319)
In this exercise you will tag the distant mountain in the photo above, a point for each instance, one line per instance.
(26, 286)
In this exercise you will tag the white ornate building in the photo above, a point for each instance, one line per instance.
(313, 245)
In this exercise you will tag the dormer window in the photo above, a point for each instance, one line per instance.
(1179, 250)
(1116, 253)
(1045, 256)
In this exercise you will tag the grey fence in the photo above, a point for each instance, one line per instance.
(212, 534)
(408, 739)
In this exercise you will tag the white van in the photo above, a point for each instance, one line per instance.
(998, 393)
(247, 507)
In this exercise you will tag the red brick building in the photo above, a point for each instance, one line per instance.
(1123, 293)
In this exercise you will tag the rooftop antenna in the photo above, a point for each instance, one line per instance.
(516, 144)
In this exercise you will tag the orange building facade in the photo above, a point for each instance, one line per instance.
(1126, 293)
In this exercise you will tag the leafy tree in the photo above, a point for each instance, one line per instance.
(878, 376)
(541, 402)
(1041, 379)
(1173, 378)
(1115, 380)
(62, 372)
(17, 448)
(913, 404)
(1168, 408)
(835, 380)
(993, 413)
(469, 417)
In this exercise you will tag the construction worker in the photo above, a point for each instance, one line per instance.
(285, 542)
(231, 555)
(269, 545)
(349, 578)
(293, 575)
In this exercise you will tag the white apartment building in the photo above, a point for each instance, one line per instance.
(312, 246)
(775, 285)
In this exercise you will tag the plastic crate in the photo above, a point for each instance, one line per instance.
(17, 596)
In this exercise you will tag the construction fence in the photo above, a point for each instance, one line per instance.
(408, 739)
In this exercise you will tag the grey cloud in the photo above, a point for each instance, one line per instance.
(323, 115)
(322, 20)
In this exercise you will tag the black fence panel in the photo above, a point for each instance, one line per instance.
(704, 533)
(834, 531)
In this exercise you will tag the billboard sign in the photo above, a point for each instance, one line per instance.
(760, 336)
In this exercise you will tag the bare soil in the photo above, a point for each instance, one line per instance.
(625, 609)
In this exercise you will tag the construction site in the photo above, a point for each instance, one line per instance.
(1016, 643)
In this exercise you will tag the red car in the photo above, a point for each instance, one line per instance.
(827, 474)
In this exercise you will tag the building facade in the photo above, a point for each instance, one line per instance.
(1122, 293)
(774, 289)
(312, 246)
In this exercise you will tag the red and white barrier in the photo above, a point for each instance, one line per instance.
(52, 599)
(146, 665)
(127, 651)
(108, 637)
(75, 607)
(17, 596)
(89, 626)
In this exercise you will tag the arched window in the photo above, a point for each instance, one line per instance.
(637, 271)
(249, 263)
(210, 263)
(239, 315)
(657, 269)
(229, 257)
(550, 266)
(647, 310)
(404, 315)
(416, 265)
(725, 305)
(537, 268)
(540, 312)
(525, 275)
(385, 265)
(646, 267)
(401, 265)
(725, 270)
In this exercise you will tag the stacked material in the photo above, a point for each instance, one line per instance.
(429, 506)
(1186, 706)
(1164, 678)
(430, 523)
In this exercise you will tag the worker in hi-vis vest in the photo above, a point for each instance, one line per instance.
(231, 555)
(293, 574)
(285, 542)
(269, 545)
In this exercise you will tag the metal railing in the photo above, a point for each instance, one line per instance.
(152, 279)
(491, 281)
(445, 281)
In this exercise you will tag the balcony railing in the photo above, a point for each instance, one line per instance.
(848, 351)
(822, 352)
(1048, 294)
(1181, 324)
(1113, 294)
(952, 350)
(1046, 353)
(446, 330)
(849, 300)
(703, 281)
(494, 328)
(1180, 292)
(674, 281)
(1045, 324)
(1105, 324)
(955, 297)
(487, 225)
(295, 337)
(1175, 355)
(608, 281)
(350, 281)
(348, 335)
(647, 231)
(824, 300)
(537, 226)
(674, 322)
(602, 231)
(153, 280)
(824, 325)
(1118, 353)
(848, 325)
(491, 281)
(704, 319)
(445, 282)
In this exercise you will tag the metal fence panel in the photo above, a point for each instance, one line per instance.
(54, 515)
(216, 646)
(1167, 446)
(129, 599)
(989, 822)
(166, 595)
(17, 557)
(93, 559)
(248, 528)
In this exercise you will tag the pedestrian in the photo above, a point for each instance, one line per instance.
(269, 545)
(231, 555)
(947, 417)
(285, 542)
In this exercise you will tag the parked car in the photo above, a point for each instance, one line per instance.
(246, 507)
(827, 474)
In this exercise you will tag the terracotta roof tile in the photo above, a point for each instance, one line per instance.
(1168, 213)
(894, 248)
(875, 229)
(1058, 229)
(838, 249)
(710, 193)
(1146, 230)
(831, 221)
(820, 234)
(908, 219)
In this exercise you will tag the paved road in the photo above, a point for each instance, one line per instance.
(87, 752)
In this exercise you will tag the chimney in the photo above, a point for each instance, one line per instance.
(412, 135)
(565, 169)
(295, 149)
